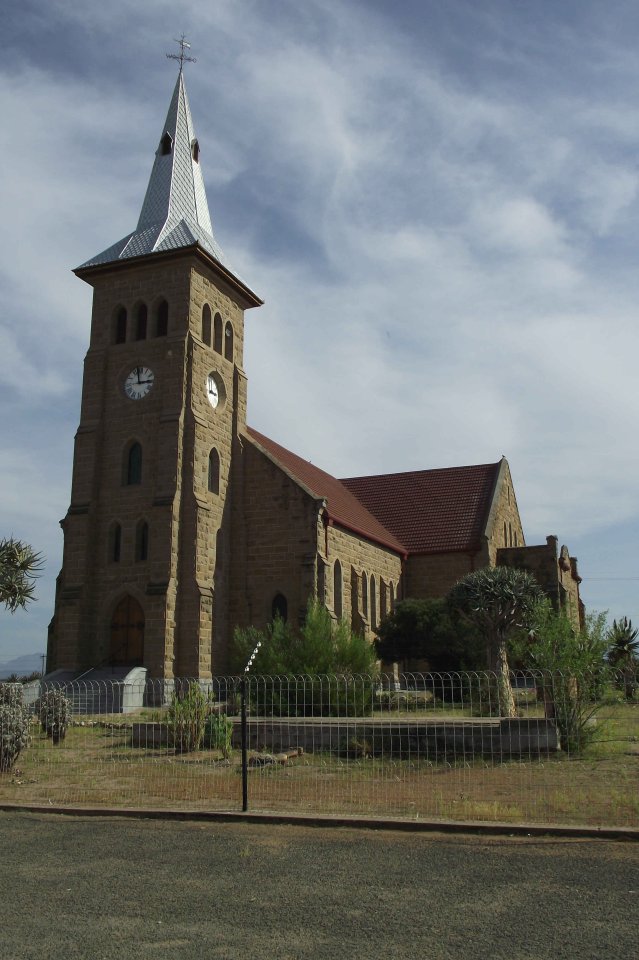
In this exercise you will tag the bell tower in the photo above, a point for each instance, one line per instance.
(147, 539)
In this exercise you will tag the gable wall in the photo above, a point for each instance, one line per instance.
(274, 545)
(506, 526)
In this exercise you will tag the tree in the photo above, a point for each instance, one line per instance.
(319, 646)
(497, 601)
(19, 567)
(573, 670)
(623, 654)
(425, 630)
(322, 668)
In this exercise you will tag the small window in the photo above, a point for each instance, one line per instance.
(206, 324)
(214, 472)
(115, 542)
(364, 595)
(391, 594)
(373, 604)
(133, 465)
(162, 319)
(510, 528)
(228, 341)
(383, 599)
(337, 589)
(279, 607)
(195, 150)
(516, 543)
(142, 541)
(140, 324)
(505, 534)
(120, 325)
(217, 333)
(166, 144)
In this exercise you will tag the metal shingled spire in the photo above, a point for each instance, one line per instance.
(175, 211)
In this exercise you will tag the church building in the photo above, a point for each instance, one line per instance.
(185, 522)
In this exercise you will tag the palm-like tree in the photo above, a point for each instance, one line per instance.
(623, 654)
(19, 566)
(497, 601)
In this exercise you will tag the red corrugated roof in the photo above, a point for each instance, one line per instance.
(431, 511)
(341, 506)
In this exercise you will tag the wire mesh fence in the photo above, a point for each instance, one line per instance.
(447, 745)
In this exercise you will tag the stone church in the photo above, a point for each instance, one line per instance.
(185, 522)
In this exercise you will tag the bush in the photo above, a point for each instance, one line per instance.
(218, 731)
(14, 725)
(187, 715)
(53, 710)
(321, 669)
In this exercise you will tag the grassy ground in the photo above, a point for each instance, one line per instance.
(96, 766)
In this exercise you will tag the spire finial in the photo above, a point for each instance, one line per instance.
(182, 57)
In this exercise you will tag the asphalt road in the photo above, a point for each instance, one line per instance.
(103, 888)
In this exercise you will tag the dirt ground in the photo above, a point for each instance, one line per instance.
(105, 888)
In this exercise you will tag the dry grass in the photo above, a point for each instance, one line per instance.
(96, 766)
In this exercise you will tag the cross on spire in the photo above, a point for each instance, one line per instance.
(182, 57)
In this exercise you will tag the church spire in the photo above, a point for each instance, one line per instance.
(175, 211)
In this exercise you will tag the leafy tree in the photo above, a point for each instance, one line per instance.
(319, 646)
(497, 601)
(323, 667)
(425, 630)
(19, 566)
(623, 654)
(573, 670)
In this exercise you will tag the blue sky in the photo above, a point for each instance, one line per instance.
(438, 202)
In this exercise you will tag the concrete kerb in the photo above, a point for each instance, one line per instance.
(461, 827)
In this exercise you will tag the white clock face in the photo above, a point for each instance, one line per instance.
(138, 383)
(212, 390)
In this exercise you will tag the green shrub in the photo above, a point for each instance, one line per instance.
(53, 710)
(186, 717)
(218, 732)
(14, 733)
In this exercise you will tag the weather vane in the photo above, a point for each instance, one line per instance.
(182, 57)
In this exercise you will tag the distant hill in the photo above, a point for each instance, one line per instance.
(22, 666)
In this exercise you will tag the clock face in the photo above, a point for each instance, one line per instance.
(212, 390)
(138, 383)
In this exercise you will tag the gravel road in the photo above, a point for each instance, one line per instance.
(101, 889)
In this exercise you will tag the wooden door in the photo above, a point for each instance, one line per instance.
(127, 633)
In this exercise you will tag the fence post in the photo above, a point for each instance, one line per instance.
(244, 745)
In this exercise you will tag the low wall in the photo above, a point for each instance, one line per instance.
(380, 737)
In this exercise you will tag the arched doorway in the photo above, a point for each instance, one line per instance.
(127, 633)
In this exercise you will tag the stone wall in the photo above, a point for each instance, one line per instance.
(363, 604)
(554, 570)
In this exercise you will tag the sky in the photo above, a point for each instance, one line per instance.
(437, 200)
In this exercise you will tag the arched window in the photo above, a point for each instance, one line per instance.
(140, 322)
(142, 541)
(133, 464)
(166, 144)
(383, 599)
(214, 471)
(279, 607)
(337, 589)
(505, 534)
(162, 319)
(373, 604)
(510, 528)
(516, 542)
(217, 333)
(228, 341)
(120, 326)
(364, 595)
(206, 324)
(115, 542)
(391, 593)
